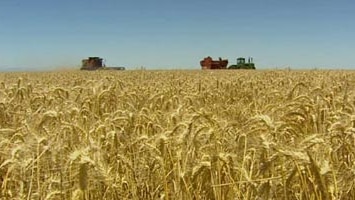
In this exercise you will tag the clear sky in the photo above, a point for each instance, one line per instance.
(176, 34)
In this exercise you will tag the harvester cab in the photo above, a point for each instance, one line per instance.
(92, 63)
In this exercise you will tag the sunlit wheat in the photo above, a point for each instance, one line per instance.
(177, 135)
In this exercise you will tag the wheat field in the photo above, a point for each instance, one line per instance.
(177, 135)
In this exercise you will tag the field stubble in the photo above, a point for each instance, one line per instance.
(177, 135)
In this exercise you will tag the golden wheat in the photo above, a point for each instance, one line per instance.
(177, 135)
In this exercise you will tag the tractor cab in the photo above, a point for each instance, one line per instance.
(240, 61)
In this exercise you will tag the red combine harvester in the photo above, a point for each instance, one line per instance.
(208, 63)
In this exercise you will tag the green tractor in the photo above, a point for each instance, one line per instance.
(241, 64)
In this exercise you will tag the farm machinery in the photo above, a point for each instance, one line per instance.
(241, 64)
(96, 63)
(209, 63)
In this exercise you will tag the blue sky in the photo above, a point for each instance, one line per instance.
(176, 34)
